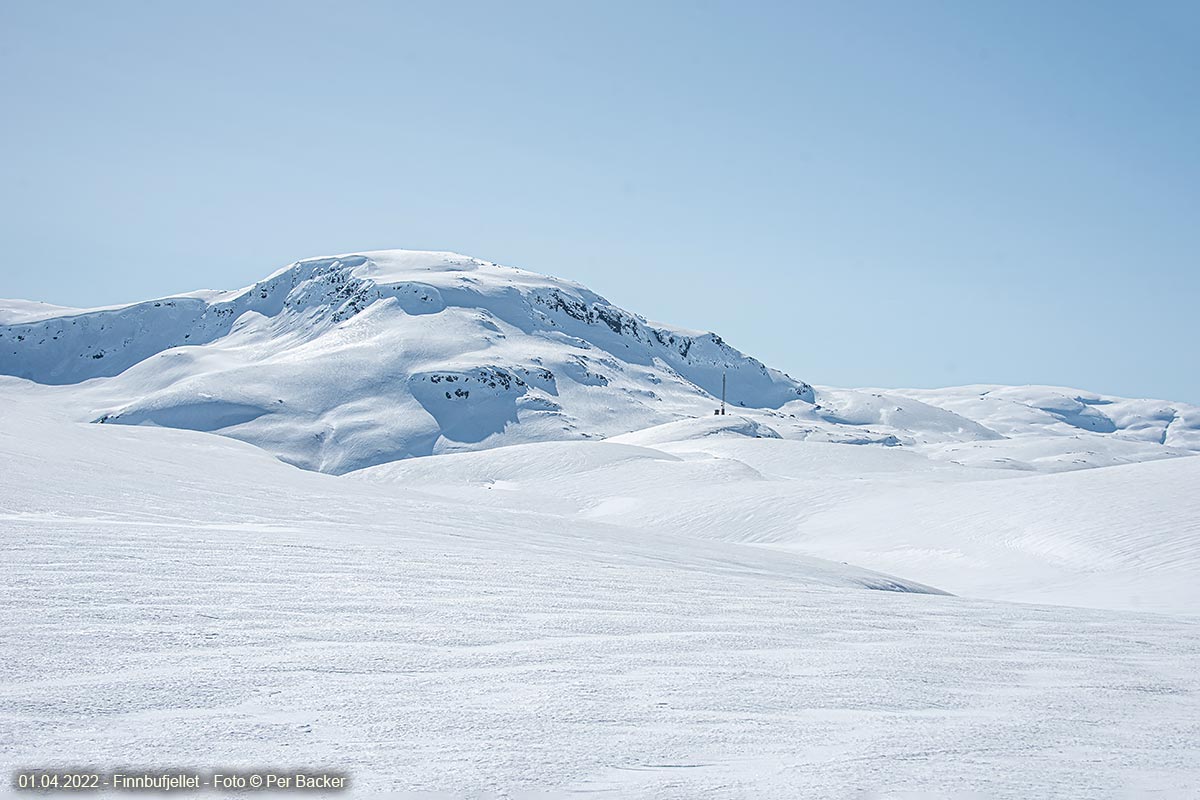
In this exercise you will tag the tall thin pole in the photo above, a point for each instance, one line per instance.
(722, 394)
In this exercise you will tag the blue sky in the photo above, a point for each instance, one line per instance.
(880, 193)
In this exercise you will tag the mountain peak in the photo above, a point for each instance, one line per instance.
(340, 362)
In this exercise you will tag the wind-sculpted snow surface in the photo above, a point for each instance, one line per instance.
(432, 626)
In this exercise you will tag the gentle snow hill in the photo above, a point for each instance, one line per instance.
(338, 363)
(1124, 537)
(119, 475)
(175, 598)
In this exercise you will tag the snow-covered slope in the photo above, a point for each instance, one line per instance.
(1121, 537)
(174, 598)
(338, 363)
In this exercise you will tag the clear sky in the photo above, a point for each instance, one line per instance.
(859, 193)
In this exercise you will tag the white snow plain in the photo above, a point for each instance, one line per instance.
(733, 607)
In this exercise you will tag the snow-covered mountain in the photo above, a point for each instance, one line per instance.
(336, 364)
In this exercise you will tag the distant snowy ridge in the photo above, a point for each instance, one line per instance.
(1030, 428)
